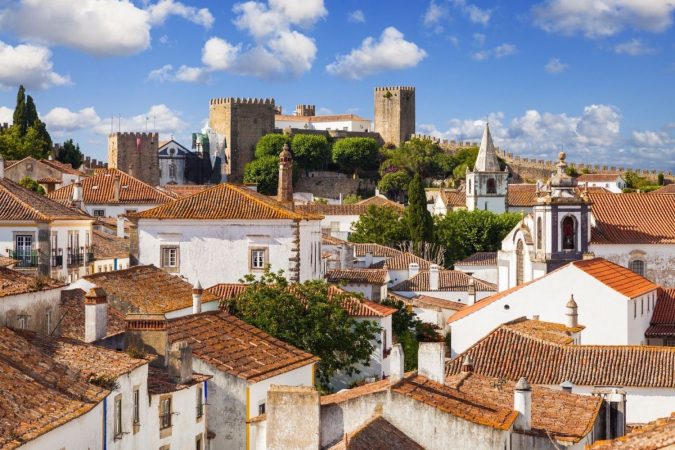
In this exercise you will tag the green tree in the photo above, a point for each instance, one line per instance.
(351, 154)
(31, 111)
(265, 172)
(31, 184)
(271, 144)
(394, 184)
(379, 225)
(417, 217)
(70, 153)
(311, 151)
(351, 199)
(28, 135)
(660, 179)
(311, 317)
(20, 111)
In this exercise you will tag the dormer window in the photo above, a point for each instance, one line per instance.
(568, 229)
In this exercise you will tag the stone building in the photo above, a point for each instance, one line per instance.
(395, 113)
(136, 154)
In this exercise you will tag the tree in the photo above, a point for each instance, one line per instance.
(20, 111)
(264, 172)
(379, 225)
(351, 154)
(271, 144)
(28, 135)
(417, 217)
(70, 153)
(394, 184)
(660, 179)
(31, 184)
(310, 316)
(351, 199)
(311, 151)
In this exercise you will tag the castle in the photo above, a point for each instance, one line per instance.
(135, 154)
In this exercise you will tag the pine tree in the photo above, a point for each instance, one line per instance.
(417, 216)
(20, 111)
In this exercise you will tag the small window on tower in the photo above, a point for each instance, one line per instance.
(568, 227)
(491, 186)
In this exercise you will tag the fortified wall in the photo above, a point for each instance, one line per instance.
(135, 154)
(394, 113)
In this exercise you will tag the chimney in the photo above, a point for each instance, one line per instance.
(431, 361)
(116, 188)
(522, 402)
(572, 315)
(293, 418)
(2, 167)
(567, 386)
(95, 315)
(180, 362)
(369, 259)
(471, 291)
(396, 366)
(413, 269)
(433, 277)
(77, 194)
(285, 188)
(467, 364)
(148, 334)
(197, 298)
(120, 226)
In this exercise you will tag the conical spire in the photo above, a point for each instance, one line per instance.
(487, 156)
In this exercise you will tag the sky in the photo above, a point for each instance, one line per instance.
(595, 78)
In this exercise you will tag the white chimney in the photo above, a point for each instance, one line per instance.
(2, 167)
(369, 259)
(95, 315)
(467, 364)
(77, 193)
(396, 360)
(116, 188)
(567, 386)
(120, 226)
(433, 277)
(522, 402)
(197, 298)
(413, 269)
(431, 361)
(572, 314)
(471, 291)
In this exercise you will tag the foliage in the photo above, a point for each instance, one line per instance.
(419, 156)
(70, 153)
(135, 352)
(307, 316)
(379, 225)
(394, 184)
(430, 251)
(417, 217)
(464, 232)
(351, 199)
(31, 184)
(104, 381)
(351, 154)
(265, 172)
(635, 183)
(571, 171)
(311, 151)
(28, 135)
(660, 179)
(271, 144)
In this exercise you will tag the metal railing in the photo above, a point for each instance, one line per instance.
(57, 258)
(24, 259)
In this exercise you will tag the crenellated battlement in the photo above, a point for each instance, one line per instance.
(395, 88)
(135, 134)
(4, 126)
(241, 101)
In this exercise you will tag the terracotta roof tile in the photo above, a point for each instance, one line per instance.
(72, 312)
(376, 434)
(159, 381)
(377, 250)
(184, 190)
(225, 201)
(359, 307)
(18, 203)
(634, 218)
(6, 261)
(354, 209)
(107, 246)
(448, 280)
(663, 318)
(667, 189)
(356, 392)
(235, 347)
(367, 276)
(547, 331)
(598, 177)
(522, 195)
(422, 301)
(622, 280)
(100, 189)
(479, 259)
(379, 200)
(13, 282)
(658, 434)
(327, 239)
(226, 291)
(323, 118)
(62, 167)
(453, 198)
(402, 261)
(48, 180)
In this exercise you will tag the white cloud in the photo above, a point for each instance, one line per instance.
(164, 73)
(357, 16)
(30, 65)
(500, 51)
(433, 15)
(598, 18)
(183, 73)
(218, 54)
(161, 10)
(555, 66)
(634, 47)
(63, 119)
(6, 114)
(261, 20)
(474, 13)
(390, 52)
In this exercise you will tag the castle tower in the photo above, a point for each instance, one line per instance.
(305, 110)
(486, 184)
(136, 154)
(395, 113)
(241, 122)
(285, 189)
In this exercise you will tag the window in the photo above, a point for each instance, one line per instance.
(22, 322)
(520, 262)
(200, 403)
(539, 233)
(165, 413)
(469, 184)
(637, 266)
(137, 406)
(491, 186)
(129, 211)
(170, 258)
(261, 409)
(117, 426)
(634, 309)
(24, 249)
(568, 228)
(99, 213)
(335, 227)
(172, 170)
(258, 258)
(642, 307)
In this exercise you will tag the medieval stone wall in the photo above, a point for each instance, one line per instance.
(135, 154)
(395, 113)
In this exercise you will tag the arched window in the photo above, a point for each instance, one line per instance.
(520, 262)
(539, 233)
(637, 266)
(491, 186)
(568, 227)
(172, 170)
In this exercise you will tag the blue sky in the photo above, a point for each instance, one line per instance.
(595, 77)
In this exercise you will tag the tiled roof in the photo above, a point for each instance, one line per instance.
(509, 352)
(37, 393)
(6, 261)
(48, 180)
(159, 381)
(235, 347)
(448, 280)
(401, 262)
(376, 434)
(622, 280)
(521, 194)
(667, 189)
(107, 246)
(100, 189)
(598, 177)
(379, 200)
(378, 251)
(358, 307)
(18, 203)
(226, 291)
(327, 239)
(333, 210)
(479, 259)
(146, 290)
(326, 118)
(72, 312)
(13, 282)
(225, 201)
(367, 276)
(62, 167)
(634, 218)
(422, 301)
(663, 318)
(184, 190)
(547, 331)
(453, 198)
(658, 434)
(566, 417)
(356, 392)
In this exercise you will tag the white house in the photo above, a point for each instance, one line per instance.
(111, 252)
(365, 255)
(304, 119)
(482, 265)
(613, 303)
(613, 182)
(662, 327)
(50, 174)
(403, 266)
(111, 193)
(372, 283)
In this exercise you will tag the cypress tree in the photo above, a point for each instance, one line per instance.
(417, 216)
(31, 112)
(20, 111)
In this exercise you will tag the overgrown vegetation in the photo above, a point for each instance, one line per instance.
(635, 183)
(31, 184)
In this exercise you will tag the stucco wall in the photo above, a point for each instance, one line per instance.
(117, 209)
(36, 306)
(659, 259)
(82, 433)
(485, 273)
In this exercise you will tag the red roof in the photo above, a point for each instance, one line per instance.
(663, 318)
(599, 177)
(619, 278)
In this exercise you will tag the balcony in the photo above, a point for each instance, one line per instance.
(57, 258)
(75, 258)
(24, 259)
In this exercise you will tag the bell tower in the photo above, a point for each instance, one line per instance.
(486, 184)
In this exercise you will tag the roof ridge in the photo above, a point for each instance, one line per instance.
(30, 193)
(126, 175)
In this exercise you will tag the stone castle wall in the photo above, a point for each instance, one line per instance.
(394, 113)
(135, 154)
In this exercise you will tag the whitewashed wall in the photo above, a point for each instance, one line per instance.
(659, 259)
(82, 433)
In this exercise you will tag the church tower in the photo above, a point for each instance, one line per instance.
(285, 187)
(486, 184)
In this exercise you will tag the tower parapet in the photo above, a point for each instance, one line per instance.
(305, 110)
(395, 113)
(135, 153)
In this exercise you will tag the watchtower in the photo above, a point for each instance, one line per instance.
(241, 122)
(395, 113)
(136, 154)
(305, 110)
